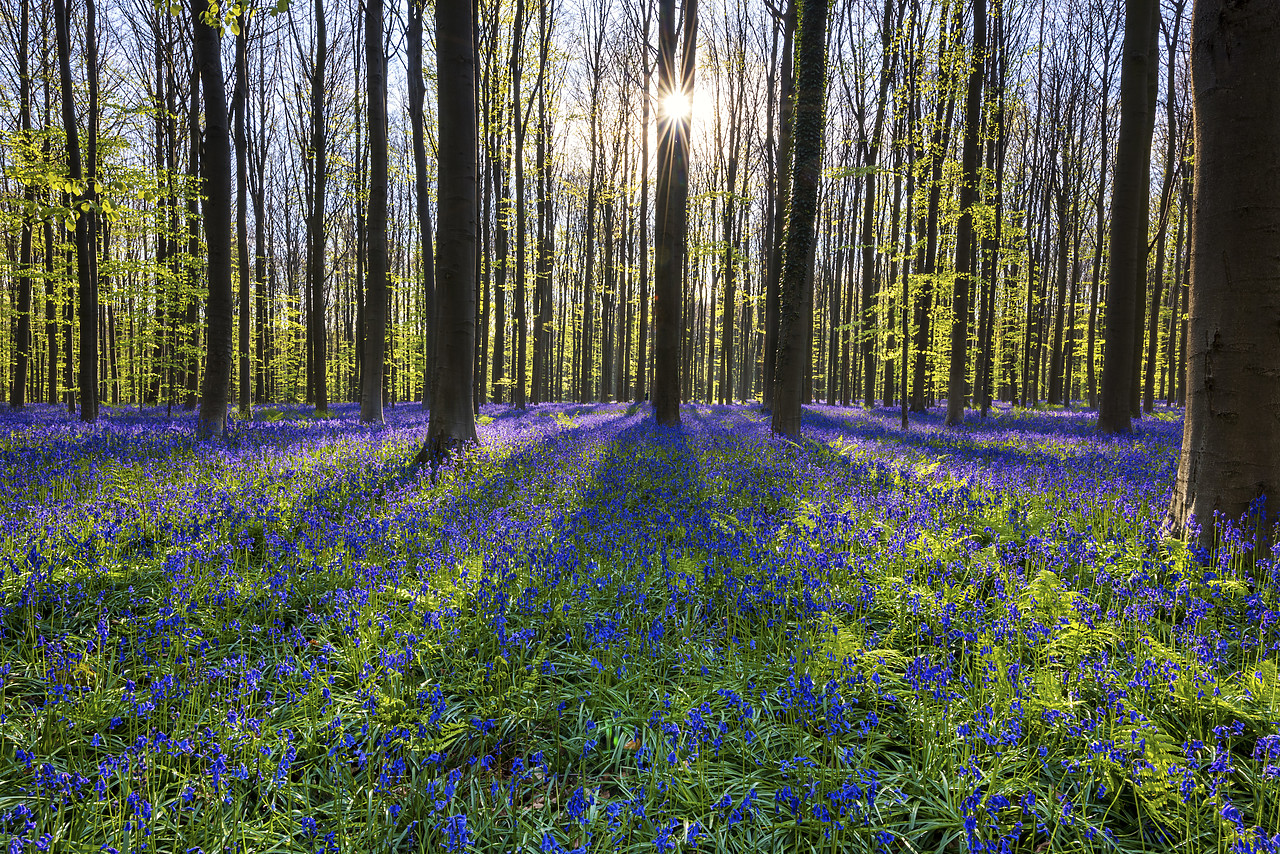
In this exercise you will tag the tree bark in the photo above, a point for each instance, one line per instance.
(82, 201)
(1231, 437)
(22, 346)
(1128, 241)
(452, 421)
(316, 256)
(781, 198)
(375, 308)
(794, 329)
(215, 170)
(422, 192)
(957, 381)
(642, 337)
(671, 211)
(239, 106)
(870, 287)
(519, 120)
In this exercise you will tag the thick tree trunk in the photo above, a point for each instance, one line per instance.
(375, 310)
(1128, 240)
(794, 326)
(957, 381)
(671, 212)
(1231, 438)
(215, 170)
(452, 414)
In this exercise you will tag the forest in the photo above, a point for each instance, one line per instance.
(620, 425)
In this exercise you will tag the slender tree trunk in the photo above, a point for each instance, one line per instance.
(870, 287)
(1175, 311)
(422, 192)
(781, 200)
(519, 119)
(1095, 285)
(22, 346)
(1166, 206)
(542, 341)
(891, 318)
(924, 299)
(1060, 306)
(642, 339)
(239, 106)
(192, 307)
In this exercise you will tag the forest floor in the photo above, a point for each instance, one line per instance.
(594, 634)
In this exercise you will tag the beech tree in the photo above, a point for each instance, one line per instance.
(568, 255)
(796, 291)
(22, 355)
(1230, 463)
(417, 95)
(83, 205)
(675, 89)
(1128, 237)
(957, 387)
(452, 422)
(215, 172)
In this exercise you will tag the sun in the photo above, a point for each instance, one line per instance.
(677, 105)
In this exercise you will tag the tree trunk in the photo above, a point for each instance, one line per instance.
(519, 120)
(452, 421)
(1231, 438)
(422, 192)
(957, 381)
(671, 210)
(316, 256)
(1128, 241)
(794, 333)
(870, 287)
(928, 271)
(542, 340)
(215, 170)
(1172, 145)
(88, 293)
(239, 105)
(22, 346)
(781, 198)
(375, 308)
(642, 337)
(501, 196)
